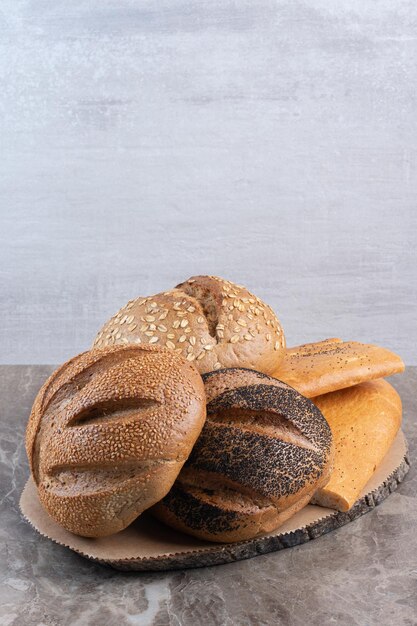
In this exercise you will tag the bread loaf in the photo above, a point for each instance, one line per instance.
(364, 421)
(109, 432)
(263, 452)
(318, 368)
(209, 321)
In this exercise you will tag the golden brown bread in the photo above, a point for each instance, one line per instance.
(318, 368)
(262, 453)
(364, 420)
(210, 321)
(109, 432)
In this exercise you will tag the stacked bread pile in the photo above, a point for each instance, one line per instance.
(190, 405)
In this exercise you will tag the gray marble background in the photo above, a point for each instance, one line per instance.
(270, 142)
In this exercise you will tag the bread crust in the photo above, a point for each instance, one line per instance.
(208, 320)
(364, 420)
(263, 452)
(109, 432)
(318, 368)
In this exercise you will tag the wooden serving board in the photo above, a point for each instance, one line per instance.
(150, 545)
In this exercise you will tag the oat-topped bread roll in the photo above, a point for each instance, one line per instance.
(109, 432)
(263, 452)
(209, 320)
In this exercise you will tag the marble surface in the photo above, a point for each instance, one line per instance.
(364, 573)
(271, 142)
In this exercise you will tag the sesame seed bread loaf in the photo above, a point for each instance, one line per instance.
(109, 432)
(210, 321)
(263, 452)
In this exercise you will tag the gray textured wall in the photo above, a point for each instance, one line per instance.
(273, 143)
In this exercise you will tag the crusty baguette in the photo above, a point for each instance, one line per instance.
(109, 432)
(210, 321)
(364, 420)
(262, 453)
(318, 368)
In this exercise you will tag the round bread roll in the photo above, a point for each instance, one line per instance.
(109, 433)
(210, 321)
(263, 452)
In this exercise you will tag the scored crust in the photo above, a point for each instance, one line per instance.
(208, 320)
(262, 453)
(109, 432)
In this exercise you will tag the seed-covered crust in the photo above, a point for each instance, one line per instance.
(263, 452)
(109, 432)
(208, 320)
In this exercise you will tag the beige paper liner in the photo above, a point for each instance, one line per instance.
(150, 545)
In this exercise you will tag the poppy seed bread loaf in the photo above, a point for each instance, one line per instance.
(263, 452)
(208, 320)
(109, 432)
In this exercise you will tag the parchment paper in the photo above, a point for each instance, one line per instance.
(147, 540)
